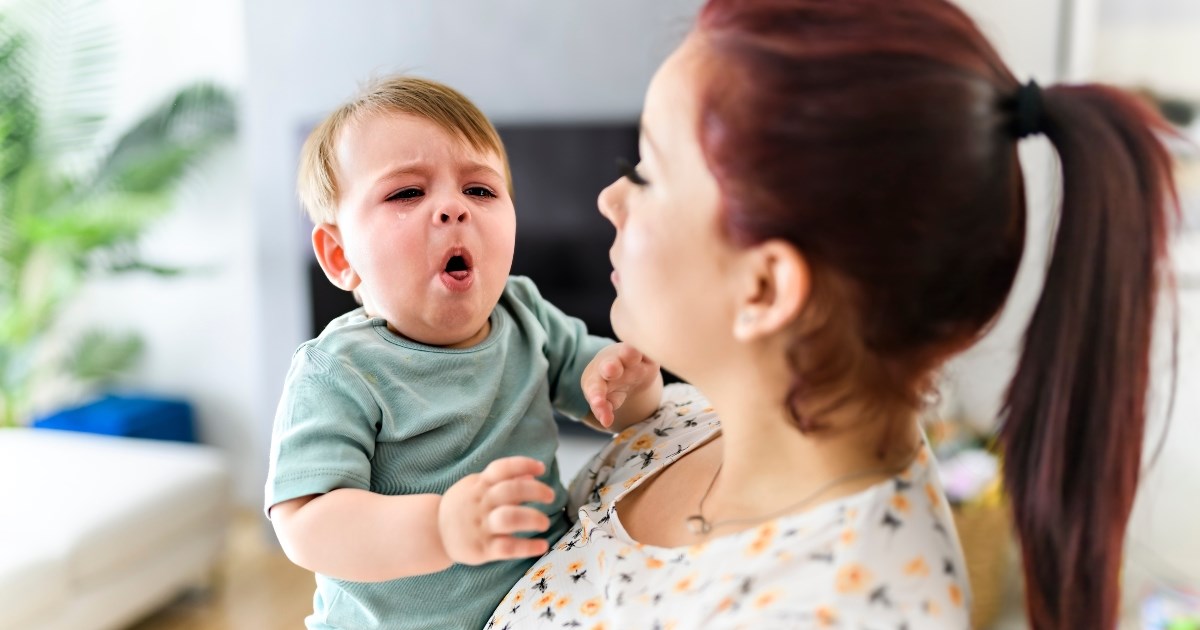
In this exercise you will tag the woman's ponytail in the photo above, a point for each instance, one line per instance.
(1074, 415)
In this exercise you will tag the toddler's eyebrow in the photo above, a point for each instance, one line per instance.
(473, 168)
(403, 169)
(420, 168)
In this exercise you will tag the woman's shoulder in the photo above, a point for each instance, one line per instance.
(684, 419)
(888, 553)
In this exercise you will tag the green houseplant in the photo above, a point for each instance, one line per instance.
(75, 196)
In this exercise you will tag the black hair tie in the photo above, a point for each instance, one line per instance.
(1031, 118)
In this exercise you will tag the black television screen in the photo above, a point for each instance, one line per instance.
(562, 241)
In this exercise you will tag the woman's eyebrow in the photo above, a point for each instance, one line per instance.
(644, 132)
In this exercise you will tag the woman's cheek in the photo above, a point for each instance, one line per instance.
(638, 254)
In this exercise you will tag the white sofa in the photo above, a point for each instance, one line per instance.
(97, 531)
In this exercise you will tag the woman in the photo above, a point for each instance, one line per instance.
(829, 205)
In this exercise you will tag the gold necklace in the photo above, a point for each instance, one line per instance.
(700, 526)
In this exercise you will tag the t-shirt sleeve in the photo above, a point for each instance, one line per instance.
(325, 429)
(569, 348)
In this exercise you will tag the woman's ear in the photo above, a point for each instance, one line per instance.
(327, 245)
(777, 283)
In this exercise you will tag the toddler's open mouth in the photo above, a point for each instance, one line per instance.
(457, 269)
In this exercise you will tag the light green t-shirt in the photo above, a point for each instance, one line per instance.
(365, 408)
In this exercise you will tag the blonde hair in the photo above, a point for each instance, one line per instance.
(316, 183)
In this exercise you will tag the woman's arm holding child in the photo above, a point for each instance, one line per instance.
(362, 536)
(622, 386)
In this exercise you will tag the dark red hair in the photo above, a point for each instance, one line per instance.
(878, 136)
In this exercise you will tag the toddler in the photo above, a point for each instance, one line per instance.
(413, 453)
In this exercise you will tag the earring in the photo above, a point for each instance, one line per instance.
(746, 317)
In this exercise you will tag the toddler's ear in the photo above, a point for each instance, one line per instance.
(327, 245)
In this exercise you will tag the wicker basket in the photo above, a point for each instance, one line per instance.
(985, 531)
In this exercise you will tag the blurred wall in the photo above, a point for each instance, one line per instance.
(1151, 43)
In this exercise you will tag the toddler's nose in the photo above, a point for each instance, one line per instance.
(450, 215)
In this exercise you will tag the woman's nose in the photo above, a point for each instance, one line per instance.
(610, 204)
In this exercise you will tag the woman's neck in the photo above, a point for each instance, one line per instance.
(767, 464)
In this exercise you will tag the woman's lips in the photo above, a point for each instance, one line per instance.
(615, 277)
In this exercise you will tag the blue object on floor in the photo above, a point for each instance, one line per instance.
(129, 416)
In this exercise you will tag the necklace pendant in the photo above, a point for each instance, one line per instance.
(698, 525)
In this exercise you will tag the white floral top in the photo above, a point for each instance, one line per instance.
(886, 557)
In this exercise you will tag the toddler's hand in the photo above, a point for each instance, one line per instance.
(479, 513)
(614, 374)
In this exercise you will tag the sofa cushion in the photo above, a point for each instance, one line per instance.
(33, 578)
(108, 501)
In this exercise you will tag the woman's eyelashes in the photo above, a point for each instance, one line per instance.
(628, 171)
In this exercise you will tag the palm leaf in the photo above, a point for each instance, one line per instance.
(74, 202)
(122, 260)
(47, 280)
(18, 118)
(101, 356)
(94, 223)
(72, 48)
(156, 152)
(32, 190)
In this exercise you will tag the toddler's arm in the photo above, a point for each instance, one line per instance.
(362, 536)
(622, 386)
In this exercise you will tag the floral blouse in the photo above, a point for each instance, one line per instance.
(886, 557)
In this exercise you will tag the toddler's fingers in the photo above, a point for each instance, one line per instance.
(645, 367)
(517, 491)
(603, 410)
(510, 547)
(594, 385)
(612, 369)
(509, 467)
(595, 391)
(629, 355)
(510, 519)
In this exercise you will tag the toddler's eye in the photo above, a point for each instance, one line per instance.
(406, 193)
(479, 191)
